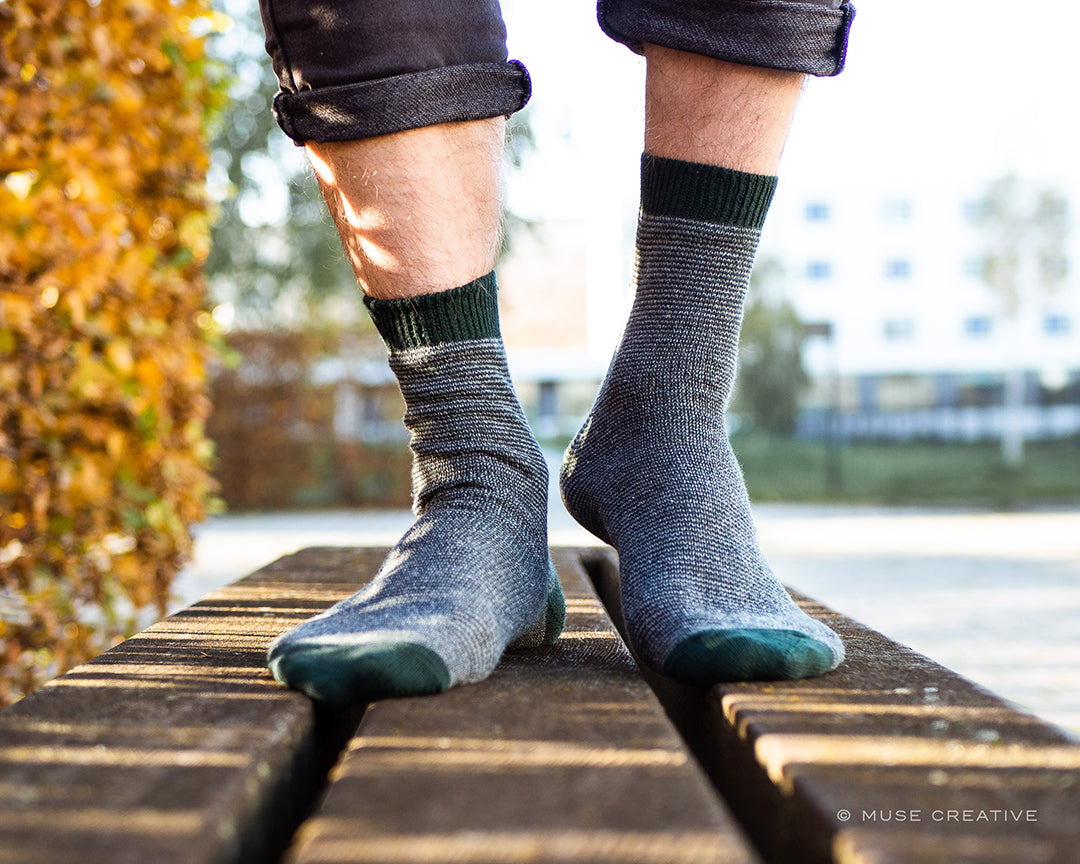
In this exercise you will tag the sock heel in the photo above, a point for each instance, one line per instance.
(579, 500)
(549, 625)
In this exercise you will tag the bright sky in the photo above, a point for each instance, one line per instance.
(965, 87)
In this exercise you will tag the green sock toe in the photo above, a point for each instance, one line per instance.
(357, 674)
(747, 655)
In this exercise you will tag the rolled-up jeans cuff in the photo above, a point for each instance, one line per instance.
(776, 34)
(367, 109)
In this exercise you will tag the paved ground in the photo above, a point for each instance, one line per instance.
(995, 597)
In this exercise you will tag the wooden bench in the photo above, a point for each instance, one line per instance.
(177, 746)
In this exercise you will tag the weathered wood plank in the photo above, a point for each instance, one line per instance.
(889, 758)
(177, 745)
(563, 755)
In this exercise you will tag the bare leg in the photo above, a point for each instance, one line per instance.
(417, 211)
(702, 110)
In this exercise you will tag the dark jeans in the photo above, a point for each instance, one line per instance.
(351, 69)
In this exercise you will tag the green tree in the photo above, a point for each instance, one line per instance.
(771, 376)
(1024, 227)
(275, 256)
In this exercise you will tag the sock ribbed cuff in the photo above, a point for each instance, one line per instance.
(457, 315)
(707, 193)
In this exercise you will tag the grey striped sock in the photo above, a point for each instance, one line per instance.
(473, 573)
(652, 472)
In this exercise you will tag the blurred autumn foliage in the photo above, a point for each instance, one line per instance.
(104, 338)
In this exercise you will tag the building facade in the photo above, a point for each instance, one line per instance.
(910, 340)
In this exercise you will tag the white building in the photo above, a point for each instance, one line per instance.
(869, 220)
(918, 344)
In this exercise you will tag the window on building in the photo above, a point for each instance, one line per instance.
(897, 329)
(819, 329)
(978, 326)
(975, 266)
(896, 210)
(819, 270)
(980, 391)
(975, 211)
(548, 399)
(946, 389)
(817, 211)
(1057, 325)
(898, 268)
(867, 388)
(371, 406)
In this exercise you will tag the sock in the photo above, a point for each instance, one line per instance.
(652, 473)
(473, 573)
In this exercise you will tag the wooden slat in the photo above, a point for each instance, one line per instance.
(177, 745)
(889, 758)
(563, 755)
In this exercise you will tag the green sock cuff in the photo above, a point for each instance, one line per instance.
(707, 193)
(457, 315)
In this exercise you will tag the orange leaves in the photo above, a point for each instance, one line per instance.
(103, 225)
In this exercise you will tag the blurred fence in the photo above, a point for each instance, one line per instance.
(287, 434)
(972, 423)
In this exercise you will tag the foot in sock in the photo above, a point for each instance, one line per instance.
(473, 574)
(652, 472)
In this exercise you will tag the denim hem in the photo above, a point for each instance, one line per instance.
(796, 36)
(367, 109)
